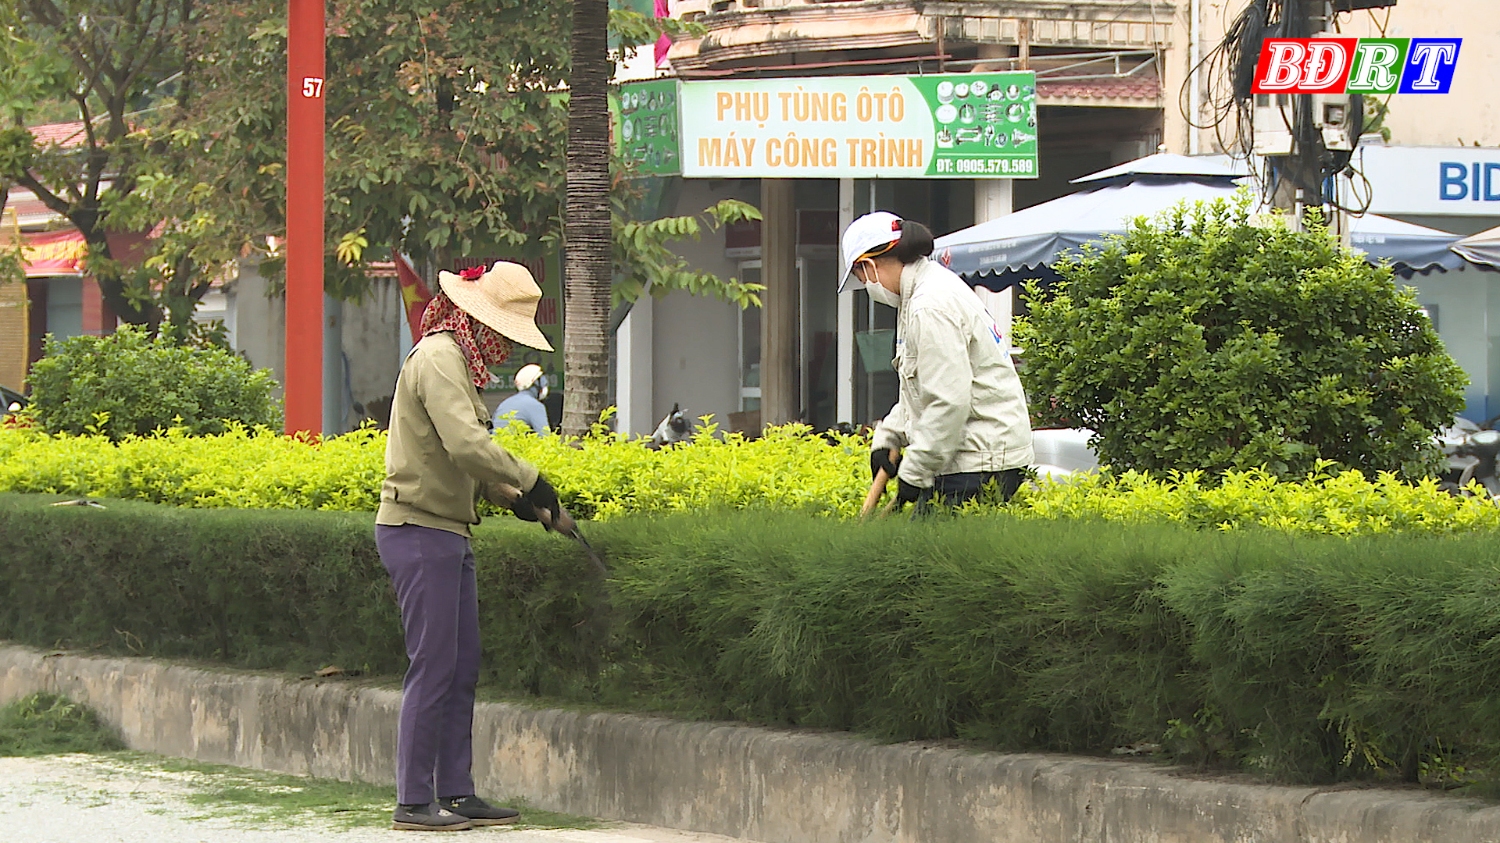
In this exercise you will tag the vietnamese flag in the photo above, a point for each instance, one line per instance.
(414, 293)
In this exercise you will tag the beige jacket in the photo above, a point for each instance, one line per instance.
(961, 406)
(439, 456)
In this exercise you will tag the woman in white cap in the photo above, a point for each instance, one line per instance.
(439, 459)
(960, 421)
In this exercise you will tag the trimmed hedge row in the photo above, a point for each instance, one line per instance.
(1303, 658)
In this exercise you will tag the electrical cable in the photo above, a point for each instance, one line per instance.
(1228, 74)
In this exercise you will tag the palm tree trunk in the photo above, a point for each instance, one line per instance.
(588, 266)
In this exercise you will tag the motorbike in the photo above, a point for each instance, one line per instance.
(1472, 450)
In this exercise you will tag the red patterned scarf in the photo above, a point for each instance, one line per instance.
(482, 345)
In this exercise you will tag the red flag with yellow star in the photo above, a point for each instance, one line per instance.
(414, 294)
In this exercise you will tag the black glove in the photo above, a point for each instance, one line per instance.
(543, 496)
(881, 458)
(907, 493)
(523, 509)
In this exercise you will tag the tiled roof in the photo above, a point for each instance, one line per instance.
(28, 211)
(1141, 86)
(62, 134)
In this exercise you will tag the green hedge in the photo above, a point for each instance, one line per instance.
(790, 470)
(1303, 658)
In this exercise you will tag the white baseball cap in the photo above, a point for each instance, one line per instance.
(865, 235)
(527, 376)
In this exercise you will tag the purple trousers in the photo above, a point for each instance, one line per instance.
(433, 572)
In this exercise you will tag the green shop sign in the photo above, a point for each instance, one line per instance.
(952, 125)
(646, 126)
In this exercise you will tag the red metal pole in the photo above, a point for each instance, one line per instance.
(304, 217)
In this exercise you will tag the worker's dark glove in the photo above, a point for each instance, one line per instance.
(523, 509)
(881, 458)
(543, 496)
(907, 493)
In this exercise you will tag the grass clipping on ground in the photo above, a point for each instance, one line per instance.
(48, 724)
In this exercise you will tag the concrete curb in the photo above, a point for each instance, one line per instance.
(759, 784)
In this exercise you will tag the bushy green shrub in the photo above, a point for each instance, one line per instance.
(128, 384)
(1201, 341)
(607, 477)
(1300, 657)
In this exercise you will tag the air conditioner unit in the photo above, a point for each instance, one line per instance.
(1272, 119)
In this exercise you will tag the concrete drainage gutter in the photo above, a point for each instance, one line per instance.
(753, 783)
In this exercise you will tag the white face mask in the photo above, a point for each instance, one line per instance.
(884, 296)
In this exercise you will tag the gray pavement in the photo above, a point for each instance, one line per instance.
(113, 799)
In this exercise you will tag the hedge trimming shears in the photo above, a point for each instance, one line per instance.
(565, 525)
(568, 526)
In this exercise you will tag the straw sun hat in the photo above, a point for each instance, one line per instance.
(504, 298)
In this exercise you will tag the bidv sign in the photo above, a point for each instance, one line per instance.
(1449, 181)
(1475, 181)
(1356, 65)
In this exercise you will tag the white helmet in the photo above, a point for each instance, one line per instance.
(531, 375)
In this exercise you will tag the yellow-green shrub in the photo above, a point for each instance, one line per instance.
(1341, 503)
(603, 475)
(606, 475)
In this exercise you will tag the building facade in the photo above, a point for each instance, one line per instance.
(1101, 76)
(1115, 81)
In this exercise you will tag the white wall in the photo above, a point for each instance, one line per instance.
(371, 338)
(1470, 111)
(259, 322)
(1468, 320)
(695, 339)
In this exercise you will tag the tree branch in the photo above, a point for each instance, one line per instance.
(54, 203)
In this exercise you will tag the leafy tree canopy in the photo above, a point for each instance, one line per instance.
(445, 137)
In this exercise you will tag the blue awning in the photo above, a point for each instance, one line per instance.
(1024, 245)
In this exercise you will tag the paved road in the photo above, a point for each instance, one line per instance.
(94, 799)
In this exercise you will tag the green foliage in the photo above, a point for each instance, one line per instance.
(446, 133)
(47, 724)
(446, 138)
(1327, 502)
(1200, 341)
(286, 588)
(787, 469)
(642, 250)
(606, 476)
(264, 800)
(445, 128)
(129, 384)
(1295, 657)
(1376, 113)
(104, 63)
(30, 78)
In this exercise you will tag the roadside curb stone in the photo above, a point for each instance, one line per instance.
(746, 782)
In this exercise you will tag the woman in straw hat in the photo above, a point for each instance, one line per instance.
(439, 458)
